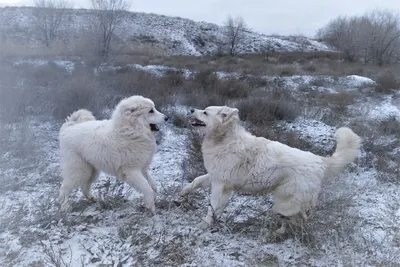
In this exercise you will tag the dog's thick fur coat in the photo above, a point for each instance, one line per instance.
(123, 146)
(238, 160)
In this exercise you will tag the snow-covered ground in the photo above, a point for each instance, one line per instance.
(354, 224)
(117, 229)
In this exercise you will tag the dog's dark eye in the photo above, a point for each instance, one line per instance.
(151, 111)
(205, 113)
(132, 110)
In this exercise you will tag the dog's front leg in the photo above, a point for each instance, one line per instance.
(150, 180)
(203, 181)
(137, 180)
(219, 199)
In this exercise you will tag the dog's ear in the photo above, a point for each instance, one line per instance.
(129, 108)
(229, 113)
(234, 112)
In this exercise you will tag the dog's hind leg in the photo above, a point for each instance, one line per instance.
(85, 186)
(203, 181)
(75, 172)
(219, 199)
(137, 180)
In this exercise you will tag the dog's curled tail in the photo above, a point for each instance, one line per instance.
(79, 116)
(347, 146)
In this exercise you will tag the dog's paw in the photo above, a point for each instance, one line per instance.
(152, 210)
(186, 190)
(92, 199)
(150, 213)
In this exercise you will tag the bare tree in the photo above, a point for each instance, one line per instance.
(374, 37)
(268, 48)
(235, 30)
(385, 35)
(341, 33)
(50, 15)
(110, 13)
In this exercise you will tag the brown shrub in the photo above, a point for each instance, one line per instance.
(265, 111)
(81, 92)
(205, 79)
(173, 78)
(386, 81)
(389, 126)
(310, 68)
(232, 88)
(287, 71)
(337, 102)
(136, 82)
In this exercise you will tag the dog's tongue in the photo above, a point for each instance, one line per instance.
(154, 127)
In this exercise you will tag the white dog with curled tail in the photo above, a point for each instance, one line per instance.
(122, 146)
(238, 160)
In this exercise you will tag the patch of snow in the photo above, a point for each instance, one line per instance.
(357, 81)
(321, 134)
(34, 62)
(66, 64)
(384, 110)
(157, 70)
(226, 75)
(295, 82)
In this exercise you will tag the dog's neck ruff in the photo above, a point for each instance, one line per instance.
(137, 131)
(220, 133)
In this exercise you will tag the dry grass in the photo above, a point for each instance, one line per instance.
(193, 165)
(387, 81)
(390, 126)
(275, 105)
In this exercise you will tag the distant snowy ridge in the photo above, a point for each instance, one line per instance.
(175, 35)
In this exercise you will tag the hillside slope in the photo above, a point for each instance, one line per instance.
(176, 35)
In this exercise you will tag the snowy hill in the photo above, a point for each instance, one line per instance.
(176, 35)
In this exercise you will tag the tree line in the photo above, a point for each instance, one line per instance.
(51, 14)
(371, 38)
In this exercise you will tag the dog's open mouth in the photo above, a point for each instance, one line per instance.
(154, 127)
(197, 122)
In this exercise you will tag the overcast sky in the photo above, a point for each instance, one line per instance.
(282, 17)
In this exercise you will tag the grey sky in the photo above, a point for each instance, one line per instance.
(282, 17)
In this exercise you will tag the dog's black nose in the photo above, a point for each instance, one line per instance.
(192, 110)
(166, 118)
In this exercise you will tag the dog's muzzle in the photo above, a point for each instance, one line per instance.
(196, 122)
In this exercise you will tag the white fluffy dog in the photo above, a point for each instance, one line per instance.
(123, 146)
(238, 160)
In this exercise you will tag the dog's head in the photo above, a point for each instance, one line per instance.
(214, 116)
(137, 110)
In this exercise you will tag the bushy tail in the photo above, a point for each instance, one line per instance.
(78, 116)
(347, 146)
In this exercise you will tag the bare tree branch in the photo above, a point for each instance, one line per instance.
(110, 13)
(50, 15)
